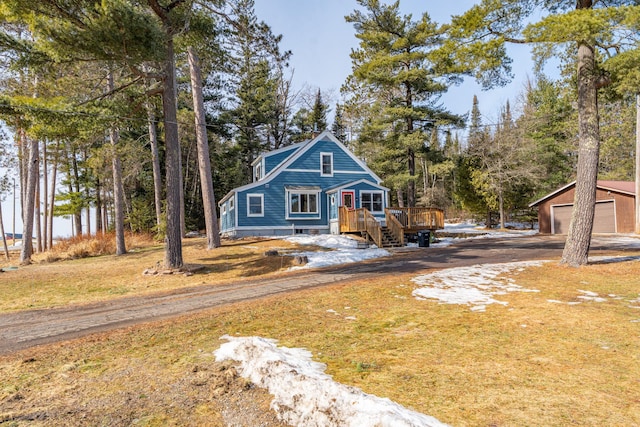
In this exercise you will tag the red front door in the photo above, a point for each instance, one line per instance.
(348, 199)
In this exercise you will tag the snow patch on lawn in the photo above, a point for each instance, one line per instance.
(344, 250)
(304, 395)
(475, 286)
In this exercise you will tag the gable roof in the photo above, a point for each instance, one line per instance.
(627, 187)
(624, 187)
(303, 147)
(324, 136)
(335, 188)
(278, 151)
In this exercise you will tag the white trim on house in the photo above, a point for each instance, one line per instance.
(304, 147)
(281, 227)
(314, 171)
(322, 156)
(272, 231)
(372, 192)
(258, 170)
(302, 190)
(261, 197)
(277, 151)
(335, 172)
(339, 187)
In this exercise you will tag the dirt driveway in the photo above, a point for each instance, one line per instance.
(27, 329)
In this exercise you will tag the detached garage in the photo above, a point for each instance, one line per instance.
(615, 208)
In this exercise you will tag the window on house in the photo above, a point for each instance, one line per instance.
(224, 210)
(303, 202)
(371, 201)
(258, 172)
(326, 160)
(255, 204)
(231, 202)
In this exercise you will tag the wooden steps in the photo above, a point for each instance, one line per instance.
(388, 240)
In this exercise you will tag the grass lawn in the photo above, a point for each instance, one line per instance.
(541, 360)
(89, 279)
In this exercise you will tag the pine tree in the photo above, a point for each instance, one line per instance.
(590, 28)
(396, 60)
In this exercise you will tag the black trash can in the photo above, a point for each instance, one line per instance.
(424, 238)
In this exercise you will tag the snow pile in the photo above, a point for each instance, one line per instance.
(475, 285)
(331, 241)
(304, 395)
(344, 250)
(473, 231)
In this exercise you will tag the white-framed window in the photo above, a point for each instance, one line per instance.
(372, 200)
(333, 200)
(255, 204)
(231, 203)
(303, 202)
(326, 164)
(224, 210)
(257, 176)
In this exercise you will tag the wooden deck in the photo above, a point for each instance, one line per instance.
(399, 221)
(417, 219)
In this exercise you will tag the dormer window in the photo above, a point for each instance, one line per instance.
(257, 172)
(326, 164)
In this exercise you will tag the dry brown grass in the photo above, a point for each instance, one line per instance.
(83, 278)
(533, 362)
(92, 246)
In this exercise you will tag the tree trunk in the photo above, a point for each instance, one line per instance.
(118, 189)
(400, 197)
(36, 215)
(52, 202)
(77, 216)
(638, 163)
(576, 249)
(3, 235)
(118, 193)
(501, 208)
(155, 157)
(29, 206)
(204, 162)
(411, 185)
(173, 250)
(87, 212)
(99, 226)
(45, 197)
(23, 156)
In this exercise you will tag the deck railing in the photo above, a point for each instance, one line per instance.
(398, 221)
(351, 220)
(416, 219)
(354, 220)
(395, 227)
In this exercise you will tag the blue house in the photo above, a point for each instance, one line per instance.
(302, 188)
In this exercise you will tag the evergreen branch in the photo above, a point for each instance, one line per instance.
(66, 14)
(111, 92)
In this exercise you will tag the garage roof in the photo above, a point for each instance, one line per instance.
(625, 187)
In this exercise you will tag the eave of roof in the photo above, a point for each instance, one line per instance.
(624, 187)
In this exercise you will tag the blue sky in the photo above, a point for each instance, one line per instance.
(321, 40)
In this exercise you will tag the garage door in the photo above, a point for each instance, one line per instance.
(604, 221)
